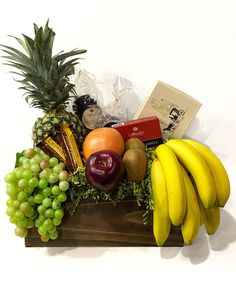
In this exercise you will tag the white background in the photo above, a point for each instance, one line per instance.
(190, 46)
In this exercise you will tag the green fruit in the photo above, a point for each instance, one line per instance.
(133, 143)
(135, 162)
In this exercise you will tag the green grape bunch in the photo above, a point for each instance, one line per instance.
(37, 188)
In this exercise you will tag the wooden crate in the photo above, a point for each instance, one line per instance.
(103, 225)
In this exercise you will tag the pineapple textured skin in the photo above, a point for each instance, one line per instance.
(46, 126)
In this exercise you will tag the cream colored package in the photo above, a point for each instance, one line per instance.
(174, 109)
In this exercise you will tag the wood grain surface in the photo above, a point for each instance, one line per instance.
(103, 225)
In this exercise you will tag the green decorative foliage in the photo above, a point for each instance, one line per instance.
(80, 189)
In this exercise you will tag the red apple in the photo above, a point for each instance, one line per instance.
(104, 170)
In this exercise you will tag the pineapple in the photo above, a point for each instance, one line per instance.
(45, 81)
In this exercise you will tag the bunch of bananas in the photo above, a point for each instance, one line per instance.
(189, 185)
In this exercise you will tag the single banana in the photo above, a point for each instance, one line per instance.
(211, 217)
(174, 183)
(161, 219)
(192, 219)
(196, 165)
(217, 169)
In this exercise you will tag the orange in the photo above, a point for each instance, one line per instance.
(103, 139)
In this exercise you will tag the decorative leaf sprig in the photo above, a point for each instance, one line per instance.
(80, 190)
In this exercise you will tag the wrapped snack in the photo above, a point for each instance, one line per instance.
(52, 148)
(113, 113)
(88, 111)
(124, 105)
(70, 148)
(85, 105)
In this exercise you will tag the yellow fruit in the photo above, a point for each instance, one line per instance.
(196, 165)
(192, 219)
(161, 219)
(217, 169)
(211, 218)
(174, 183)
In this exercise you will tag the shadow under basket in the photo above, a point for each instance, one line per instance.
(105, 225)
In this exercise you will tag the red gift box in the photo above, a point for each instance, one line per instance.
(146, 129)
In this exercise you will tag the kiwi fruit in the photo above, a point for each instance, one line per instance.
(133, 143)
(135, 162)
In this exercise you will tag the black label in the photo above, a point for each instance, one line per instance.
(153, 143)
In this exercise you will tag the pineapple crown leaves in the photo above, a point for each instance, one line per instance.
(44, 78)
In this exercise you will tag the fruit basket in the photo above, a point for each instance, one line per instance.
(118, 185)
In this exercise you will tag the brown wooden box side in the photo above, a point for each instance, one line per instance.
(103, 225)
